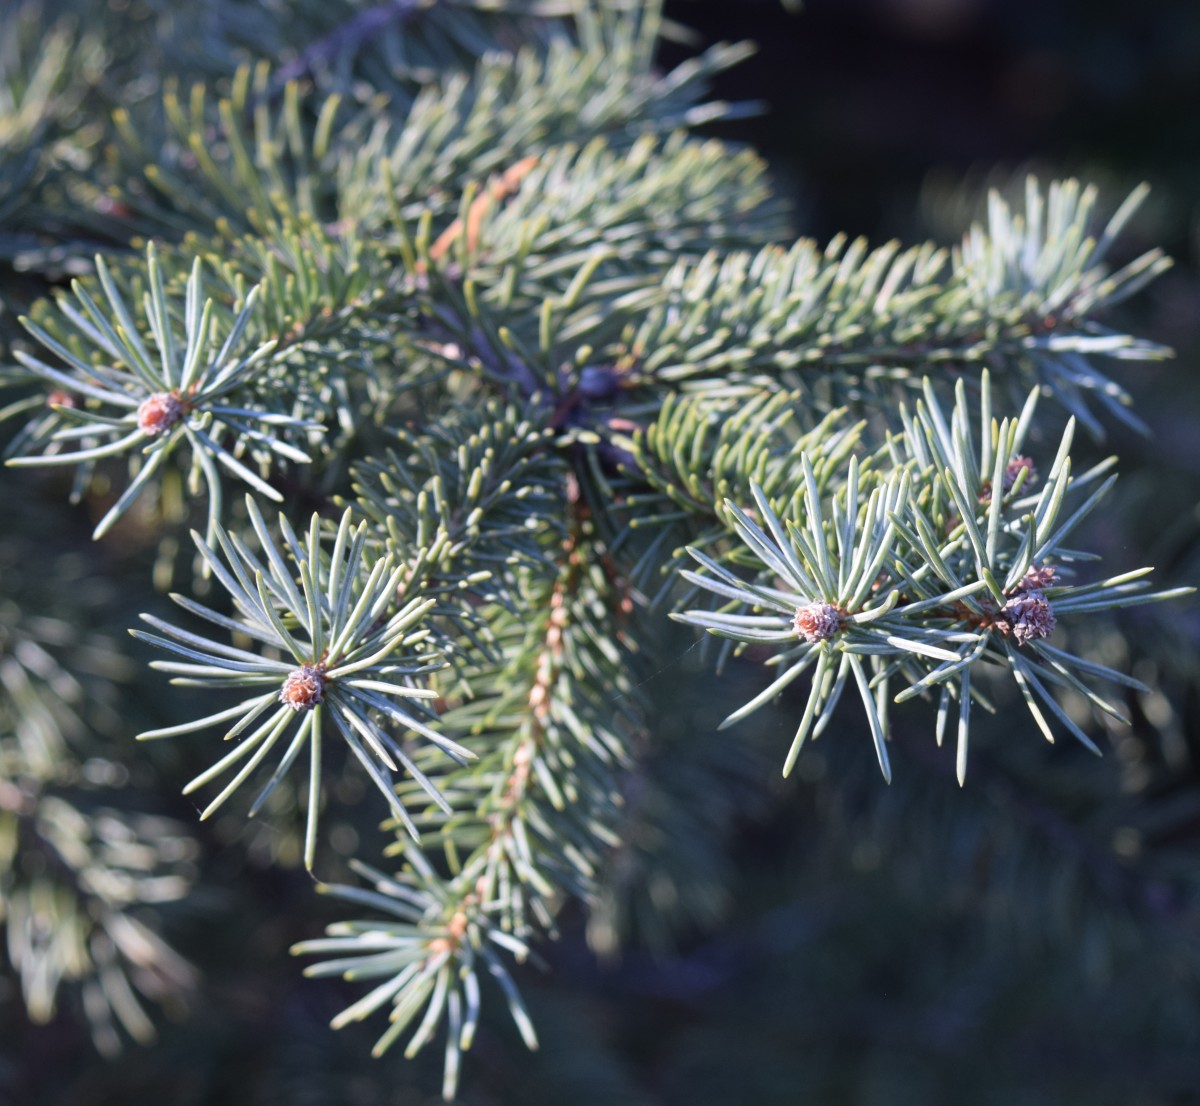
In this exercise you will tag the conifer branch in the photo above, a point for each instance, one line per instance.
(924, 575)
(83, 870)
(454, 283)
(431, 958)
(1020, 296)
(69, 874)
(194, 387)
(349, 647)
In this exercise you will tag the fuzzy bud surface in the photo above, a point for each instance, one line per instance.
(159, 413)
(304, 688)
(1030, 617)
(817, 622)
(1038, 578)
(1014, 469)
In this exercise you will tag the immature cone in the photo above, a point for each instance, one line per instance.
(304, 688)
(1014, 468)
(1038, 578)
(159, 413)
(1030, 617)
(817, 622)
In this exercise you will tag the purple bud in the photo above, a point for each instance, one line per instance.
(1014, 468)
(1038, 578)
(1030, 617)
(598, 382)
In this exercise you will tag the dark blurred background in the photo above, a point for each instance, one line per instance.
(1033, 938)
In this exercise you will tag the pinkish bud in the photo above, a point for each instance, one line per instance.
(817, 622)
(1038, 578)
(159, 413)
(304, 688)
(1029, 617)
(1014, 468)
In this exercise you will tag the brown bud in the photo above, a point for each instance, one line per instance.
(304, 688)
(159, 413)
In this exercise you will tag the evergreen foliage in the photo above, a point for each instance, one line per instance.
(526, 369)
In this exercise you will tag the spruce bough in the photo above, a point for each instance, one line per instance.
(525, 366)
